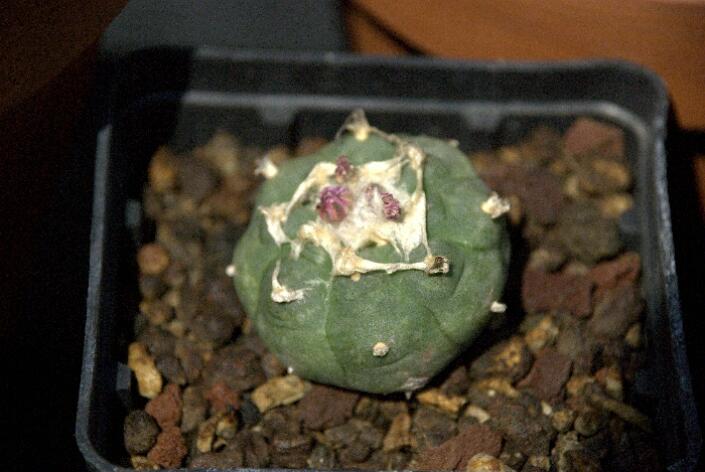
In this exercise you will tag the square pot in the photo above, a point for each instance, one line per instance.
(180, 98)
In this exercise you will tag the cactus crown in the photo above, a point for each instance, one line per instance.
(359, 206)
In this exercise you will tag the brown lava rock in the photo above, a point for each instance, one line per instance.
(222, 398)
(561, 291)
(324, 407)
(170, 448)
(587, 135)
(166, 407)
(622, 270)
(548, 375)
(455, 453)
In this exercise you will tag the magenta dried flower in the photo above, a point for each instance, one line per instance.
(343, 168)
(391, 207)
(334, 203)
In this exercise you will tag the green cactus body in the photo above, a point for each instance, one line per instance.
(374, 270)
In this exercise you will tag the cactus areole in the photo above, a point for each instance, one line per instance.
(373, 262)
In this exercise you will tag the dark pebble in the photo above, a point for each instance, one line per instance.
(212, 326)
(580, 460)
(170, 368)
(455, 453)
(622, 270)
(588, 136)
(281, 421)
(324, 407)
(615, 311)
(457, 382)
(158, 341)
(139, 432)
(228, 459)
(586, 235)
(548, 375)
(431, 427)
(189, 358)
(254, 448)
(290, 451)
(523, 425)
(196, 179)
(354, 453)
(151, 287)
(321, 458)
(194, 408)
(248, 413)
(239, 368)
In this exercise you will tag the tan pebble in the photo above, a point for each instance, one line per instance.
(142, 463)
(227, 426)
(614, 206)
(177, 328)
(399, 433)
(486, 463)
(156, 312)
(633, 336)
(478, 413)
(542, 335)
(448, 403)
(279, 391)
(541, 462)
(611, 379)
(152, 259)
(206, 434)
(546, 409)
(222, 152)
(162, 170)
(571, 187)
(173, 298)
(577, 383)
(616, 172)
(149, 380)
(562, 420)
(509, 154)
(493, 385)
(559, 167)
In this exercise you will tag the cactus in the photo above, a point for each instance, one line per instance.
(373, 262)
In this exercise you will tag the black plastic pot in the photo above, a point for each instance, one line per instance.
(182, 97)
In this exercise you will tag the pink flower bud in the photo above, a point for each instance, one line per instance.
(391, 207)
(343, 168)
(334, 203)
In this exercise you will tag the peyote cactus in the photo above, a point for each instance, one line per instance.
(374, 262)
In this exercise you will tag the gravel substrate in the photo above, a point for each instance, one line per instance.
(547, 387)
